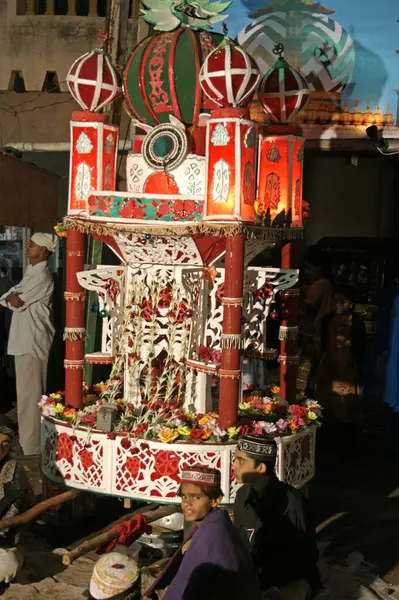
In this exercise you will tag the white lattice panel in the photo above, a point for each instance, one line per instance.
(162, 303)
(255, 313)
(158, 250)
(207, 328)
(109, 284)
(149, 470)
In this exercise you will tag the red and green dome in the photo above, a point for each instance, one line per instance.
(161, 77)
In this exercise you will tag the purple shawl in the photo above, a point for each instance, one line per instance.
(216, 565)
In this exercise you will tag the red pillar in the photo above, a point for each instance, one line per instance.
(230, 370)
(289, 326)
(74, 334)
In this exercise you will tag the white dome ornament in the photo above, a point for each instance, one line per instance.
(92, 79)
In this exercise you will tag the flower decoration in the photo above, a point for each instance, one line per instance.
(60, 230)
(260, 413)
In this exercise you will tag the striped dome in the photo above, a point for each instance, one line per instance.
(327, 56)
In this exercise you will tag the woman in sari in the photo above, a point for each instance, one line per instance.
(213, 563)
(315, 304)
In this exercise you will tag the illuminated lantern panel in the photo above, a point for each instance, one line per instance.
(279, 202)
(231, 172)
(93, 160)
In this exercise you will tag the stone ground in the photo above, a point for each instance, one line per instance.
(355, 502)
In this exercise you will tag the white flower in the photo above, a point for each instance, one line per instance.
(49, 410)
(269, 428)
(219, 433)
(266, 400)
(44, 400)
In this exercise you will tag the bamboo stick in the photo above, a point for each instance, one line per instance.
(35, 511)
(105, 538)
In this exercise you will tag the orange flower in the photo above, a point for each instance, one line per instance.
(206, 434)
(69, 413)
(275, 389)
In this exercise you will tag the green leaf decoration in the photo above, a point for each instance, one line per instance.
(167, 15)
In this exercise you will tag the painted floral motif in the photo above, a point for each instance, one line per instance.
(220, 137)
(194, 179)
(82, 181)
(108, 179)
(183, 209)
(221, 182)
(158, 80)
(65, 448)
(136, 175)
(272, 191)
(250, 138)
(109, 143)
(273, 154)
(248, 184)
(166, 465)
(132, 466)
(301, 152)
(86, 458)
(150, 208)
(297, 201)
(83, 144)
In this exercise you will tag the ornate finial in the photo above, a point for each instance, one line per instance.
(102, 37)
(225, 29)
(278, 50)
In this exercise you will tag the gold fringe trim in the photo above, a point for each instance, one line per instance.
(81, 296)
(229, 374)
(179, 229)
(231, 341)
(74, 334)
(232, 301)
(105, 360)
(286, 333)
(273, 234)
(268, 354)
(209, 369)
(288, 360)
(74, 364)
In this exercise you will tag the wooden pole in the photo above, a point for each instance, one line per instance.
(74, 320)
(35, 511)
(105, 538)
(230, 371)
(289, 347)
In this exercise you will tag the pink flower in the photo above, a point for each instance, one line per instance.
(281, 425)
(216, 357)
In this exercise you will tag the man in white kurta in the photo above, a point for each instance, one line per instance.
(31, 337)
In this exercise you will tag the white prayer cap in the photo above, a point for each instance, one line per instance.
(113, 574)
(46, 240)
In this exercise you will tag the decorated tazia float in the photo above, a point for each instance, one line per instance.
(207, 191)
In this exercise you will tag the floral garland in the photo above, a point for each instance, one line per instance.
(60, 230)
(260, 413)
